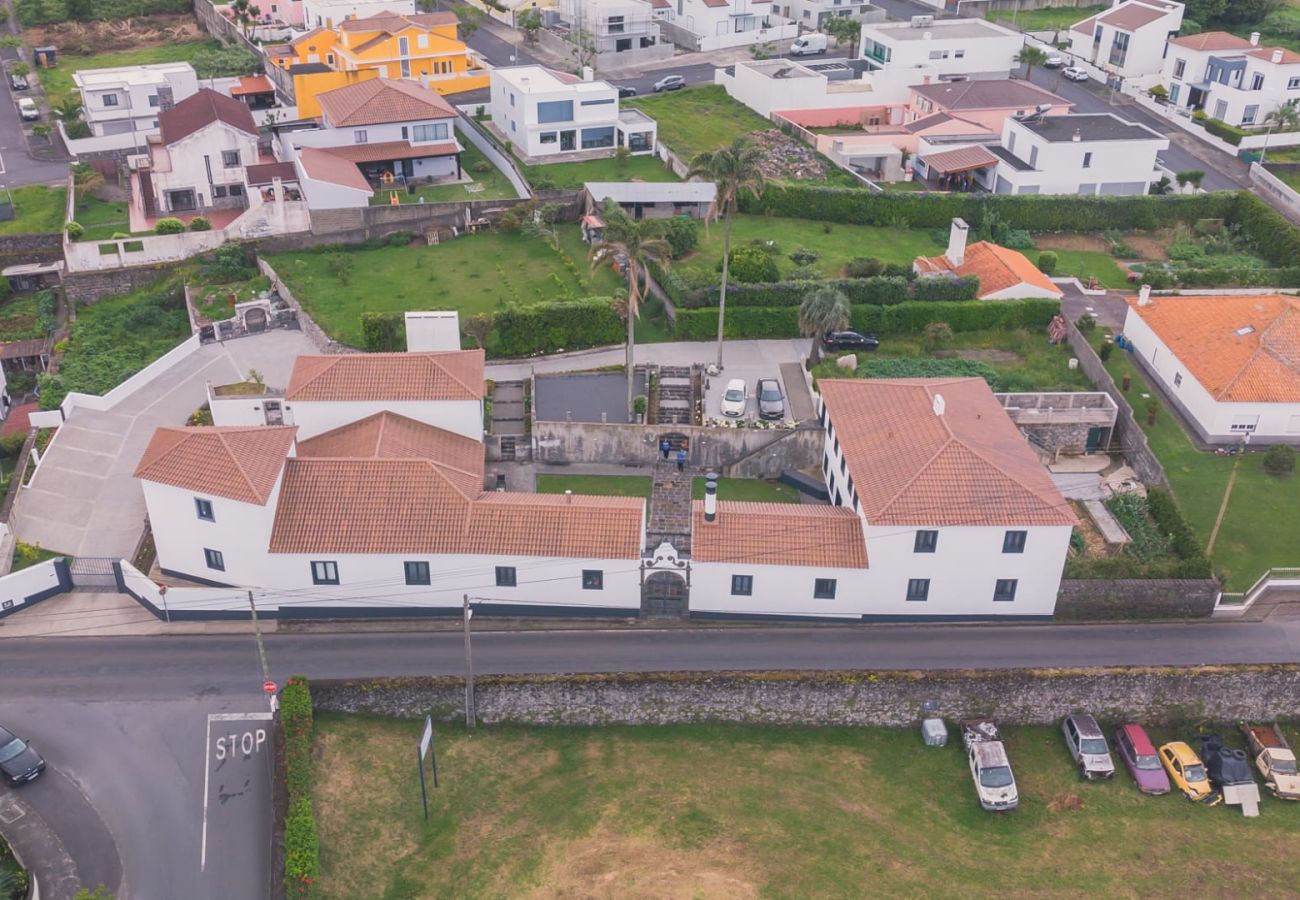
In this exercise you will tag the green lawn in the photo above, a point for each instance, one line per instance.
(18, 318)
(837, 244)
(28, 555)
(212, 301)
(745, 811)
(101, 218)
(576, 174)
(1263, 516)
(1057, 19)
(696, 119)
(756, 490)
(597, 485)
(58, 81)
(494, 183)
(1082, 263)
(37, 209)
(472, 274)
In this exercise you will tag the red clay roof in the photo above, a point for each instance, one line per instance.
(382, 101)
(392, 23)
(236, 462)
(255, 84)
(1261, 365)
(1000, 93)
(779, 534)
(200, 109)
(264, 173)
(912, 467)
(322, 165)
(1212, 40)
(446, 375)
(1289, 57)
(997, 268)
(387, 435)
(1131, 16)
(18, 421)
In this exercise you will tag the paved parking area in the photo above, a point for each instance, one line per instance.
(84, 499)
(763, 359)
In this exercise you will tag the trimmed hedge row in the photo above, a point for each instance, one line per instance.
(1031, 213)
(1288, 277)
(879, 290)
(904, 318)
(1220, 129)
(301, 844)
(551, 327)
(1273, 236)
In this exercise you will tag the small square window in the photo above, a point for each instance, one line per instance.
(918, 590)
(153, 100)
(1005, 590)
(230, 158)
(236, 190)
(359, 136)
(593, 580)
(506, 576)
(324, 572)
(214, 559)
(417, 572)
(204, 509)
(824, 589)
(110, 99)
(926, 542)
(1014, 541)
(742, 585)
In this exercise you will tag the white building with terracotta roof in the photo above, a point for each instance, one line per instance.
(1231, 78)
(1231, 364)
(1003, 273)
(1127, 40)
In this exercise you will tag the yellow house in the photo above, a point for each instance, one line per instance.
(421, 47)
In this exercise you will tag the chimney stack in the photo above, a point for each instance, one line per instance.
(1254, 39)
(938, 404)
(1144, 295)
(568, 496)
(1077, 136)
(956, 253)
(711, 497)
(1277, 55)
(588, 74)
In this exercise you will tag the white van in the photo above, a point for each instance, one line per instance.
(808, 45)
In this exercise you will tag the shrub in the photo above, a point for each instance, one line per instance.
(301, 845)
(399, 239)
(802, 256)
(168, 225)
(383, 332)
(682, 235)
(12, 444)
(936, 335)
(879, 290)
(919, 367)
(199, 223)
(74, 230)
(1279, 460)
(1230, 133)
(47, 311)
(1272, 236)
(566, 325)
(1086, 322)
(863, 267)
(1106, 350)
(1164, 510)
(1047, 261)
(230, 262)
(1186, 250)
(751, 265)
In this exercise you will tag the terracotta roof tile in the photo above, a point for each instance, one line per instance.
(1131, 16)
(322, 165)
(1212, 40)
(255, 84)
(387, 435)
(446, 375)
(997, 268)
(1289, 57)
(556, 525)
(1205, 333)
(386, 150)
(236, 462)
(779, 534)
(1000, 93)
(393, 22)
(204, 108)
(382, 101)
(962, 159)
(969, 466)
(264, 173)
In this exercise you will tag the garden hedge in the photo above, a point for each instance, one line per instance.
(552, 327)
(301, 845)
(1222, 130)
(1273, 236)
(876, 290)
(1288, 277)
(904, 318)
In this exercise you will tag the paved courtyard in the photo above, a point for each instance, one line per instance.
(84, 499)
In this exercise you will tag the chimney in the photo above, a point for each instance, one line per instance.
(1254, 39)
(711, 497)
(956, 253)
(1277, 55)
(1144, 295)
(588, 74)
(1076, 137)
(568, 496)
(938, 404)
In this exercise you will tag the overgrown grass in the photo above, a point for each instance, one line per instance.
(696, 119)
(58, 82)
(19, 320)
(1055, 19)
(736, 811)
(213, 301)
(37, 209)
(756, 490)
(597, 485)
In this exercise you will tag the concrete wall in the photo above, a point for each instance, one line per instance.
(886, 698)
(32, 585)
(1136, 599)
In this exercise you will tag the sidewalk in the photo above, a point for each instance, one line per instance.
(672, 353)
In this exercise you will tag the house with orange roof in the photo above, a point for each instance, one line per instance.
(1230, 78)
(1230, 364)
(1127, 40)
(1003, 273)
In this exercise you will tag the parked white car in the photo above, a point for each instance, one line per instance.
(735, 398)
(1055, 61)
(995, 785)
(27, 109)
(1074, 74)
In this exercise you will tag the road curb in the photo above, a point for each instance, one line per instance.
(39, 850)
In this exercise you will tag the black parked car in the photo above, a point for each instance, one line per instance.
(19, 763)
(1224, 765)
(849, 340)
(771, 402)
(625, 91)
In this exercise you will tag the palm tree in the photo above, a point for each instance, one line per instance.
(824, 310)
(69, 110)
(734, 168)
(1030, 56)
(631, 245)
(1285, 118)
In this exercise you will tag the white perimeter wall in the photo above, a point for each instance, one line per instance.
(16, 587)
(314, 417)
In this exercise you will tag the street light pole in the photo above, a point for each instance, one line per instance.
(469, 670)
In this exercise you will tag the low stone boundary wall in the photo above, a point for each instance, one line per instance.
(1090, 599)
(886, 698)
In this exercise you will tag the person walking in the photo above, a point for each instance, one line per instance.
(664, 447)
(681, 460)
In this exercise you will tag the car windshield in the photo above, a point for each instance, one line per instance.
(1092, 746)
(11, 749)
(770, 392)
(1284, 767)
(996, 777)
(1148, 761)
(734, 394)
(1194, 774)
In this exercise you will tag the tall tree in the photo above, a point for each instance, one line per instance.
(1030, 56)
(529, 22)
(821, 312)
(631, 245)
(471, 20)
(735, 168)
(1285, 118)
(845, 30)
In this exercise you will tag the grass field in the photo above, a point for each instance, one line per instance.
(58, 82)
(18, 318)
(1263, 517)
(596, 485)
(696, 119)
(576, 174)
(37, 209)
(756, 490)
(1083, 263)
(738, 812)
(472, 274)
(1057, 19)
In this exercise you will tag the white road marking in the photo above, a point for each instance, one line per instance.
(2, 162)
(207, 767)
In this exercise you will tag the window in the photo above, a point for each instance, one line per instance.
(204, 509)
(110, 99)
(615, 24)
(512, 99)
(417, 572)
(547, 137)
(324, 572)
(1293, 83)
(329, 59)
(1014, 541)
(1005, 590)
(435, 132)
(359, 136)
(1178, 379)
(1180, 66)
(607, 101)
(236, 190)
(595, 138)
(826, 465)
(422, 41)
(959, 54)
(403, 46)
(554, 111)
(742, 585)
(230, 159)
(1249, 114)
(1243, 423)
(218, 191)
(506, 576)
(1087, 160)
(1033, 157)
(1257, 83)
(214, 559)
(593, 580)
(936, 54)
(153, 100)
(918, 590)
(926, 542)
(824, 589)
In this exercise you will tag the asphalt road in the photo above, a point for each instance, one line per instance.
(16, 167)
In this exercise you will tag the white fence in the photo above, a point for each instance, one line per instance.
(76, 399)
(131, 140)
(88, 256)
(1273, 579)
(34, 581)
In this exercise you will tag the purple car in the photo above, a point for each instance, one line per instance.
(1139, 754)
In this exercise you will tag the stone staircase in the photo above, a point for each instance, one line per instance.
(508, 420)
(670, 509)
(676, 400)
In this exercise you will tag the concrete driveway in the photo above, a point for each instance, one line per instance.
(84, 500)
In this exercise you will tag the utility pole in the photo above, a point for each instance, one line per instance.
(261, 648)
(469, 670)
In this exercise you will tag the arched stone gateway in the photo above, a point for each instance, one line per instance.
(255, 320)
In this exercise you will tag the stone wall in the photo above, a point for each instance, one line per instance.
(87, 287)
(1137, 599)
(29, 248)
(885, 698)
(1058, 438)
(324, 343)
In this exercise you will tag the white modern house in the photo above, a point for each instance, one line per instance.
(707, 25)
(1231, 364)
(625, 32)
(1127, 40)
(547, 114)
(1099, 154)
(965, 47)
(813, 14)
(129, 98)
(1231, 78)
(329, 13)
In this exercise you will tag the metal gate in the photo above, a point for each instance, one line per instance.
(93, 572)
(665, 594)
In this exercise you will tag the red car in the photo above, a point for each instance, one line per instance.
(1139, 755)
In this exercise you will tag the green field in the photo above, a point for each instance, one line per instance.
(754, 490)
(576, 174)
(736, 812)
(1057, 19)
(1083, 263)
(473, 274)
(596, 485)
(696, 119)
(37, 209)
(58, 82)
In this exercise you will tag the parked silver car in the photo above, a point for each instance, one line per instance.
(1088, 747)
(771, 402)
